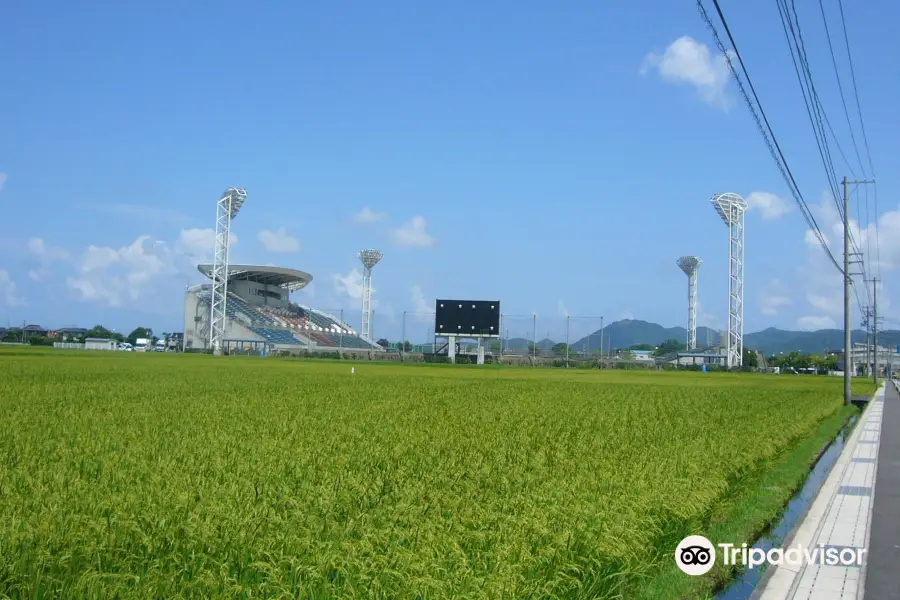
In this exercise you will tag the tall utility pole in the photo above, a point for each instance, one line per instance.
(867, 313)
(875, 329)
(848, 360)
(601, 342)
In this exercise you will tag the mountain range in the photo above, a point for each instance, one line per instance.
(633, 332)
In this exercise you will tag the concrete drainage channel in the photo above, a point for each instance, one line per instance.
(743, 587)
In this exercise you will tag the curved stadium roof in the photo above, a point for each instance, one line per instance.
(289, 279)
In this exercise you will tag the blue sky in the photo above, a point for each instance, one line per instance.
(559, 159)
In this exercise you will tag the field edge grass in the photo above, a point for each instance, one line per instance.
(747, 515)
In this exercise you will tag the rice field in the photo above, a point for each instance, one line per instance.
(167, 476)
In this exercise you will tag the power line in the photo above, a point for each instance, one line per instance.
(862, 124)
(810, 96)
(818, 118)
(767, 133)
(841, 87)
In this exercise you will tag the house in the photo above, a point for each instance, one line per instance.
(70, 333)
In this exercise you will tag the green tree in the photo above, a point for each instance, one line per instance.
(668, 347)
(140, 332)
(560, 349)
(750, 359)
(494, 346)
(98, 331)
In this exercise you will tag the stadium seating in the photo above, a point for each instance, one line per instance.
(279, 325)
(276, 336)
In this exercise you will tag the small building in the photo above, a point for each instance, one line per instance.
(100, 344)
(35, 331)
(69, 333)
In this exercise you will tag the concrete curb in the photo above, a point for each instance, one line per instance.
(781, 582)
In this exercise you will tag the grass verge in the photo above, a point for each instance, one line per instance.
(754, 508)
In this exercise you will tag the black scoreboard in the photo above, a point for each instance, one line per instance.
(467, 318)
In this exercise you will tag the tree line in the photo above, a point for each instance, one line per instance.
(18, 335)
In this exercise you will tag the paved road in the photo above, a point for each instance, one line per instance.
(882, 579)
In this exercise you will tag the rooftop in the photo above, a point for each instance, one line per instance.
(289, 279)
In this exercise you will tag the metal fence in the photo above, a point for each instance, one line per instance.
(413, 331)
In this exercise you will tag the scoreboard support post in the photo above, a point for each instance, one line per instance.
(451, 348)
(480, 350)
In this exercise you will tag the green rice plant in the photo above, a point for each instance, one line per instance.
(172, 476)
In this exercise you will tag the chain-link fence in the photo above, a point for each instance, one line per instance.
(416, 332)
(574, 337)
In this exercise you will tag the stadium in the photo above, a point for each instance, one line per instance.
(260, 316)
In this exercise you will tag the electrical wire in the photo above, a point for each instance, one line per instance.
(760, 118)
(862, 124)
(790, 22)
(841, 88)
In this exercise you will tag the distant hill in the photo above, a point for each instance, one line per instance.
(631, 332)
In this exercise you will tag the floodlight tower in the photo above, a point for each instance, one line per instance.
(369, 258)
(731, 208)
(227, 208)
(691, 266)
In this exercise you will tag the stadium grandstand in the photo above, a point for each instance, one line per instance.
(259, 314)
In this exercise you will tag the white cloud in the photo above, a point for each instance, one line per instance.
(45, 256)
(350, 284)
(278, 241)
(198, 245)
(561, 308)
(811, 239)
(413, 233)
(136, 273)
(813, 323)
(2, 180)
(688, 61)
(115, 277)
(9, 291)
(367, 215)
(773, 299)
(822, 282)
(422, 309)
(769, 205)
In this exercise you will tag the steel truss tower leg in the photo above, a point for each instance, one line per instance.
(735, 342)
(692, 311)
(219, 298)
(367, 303)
